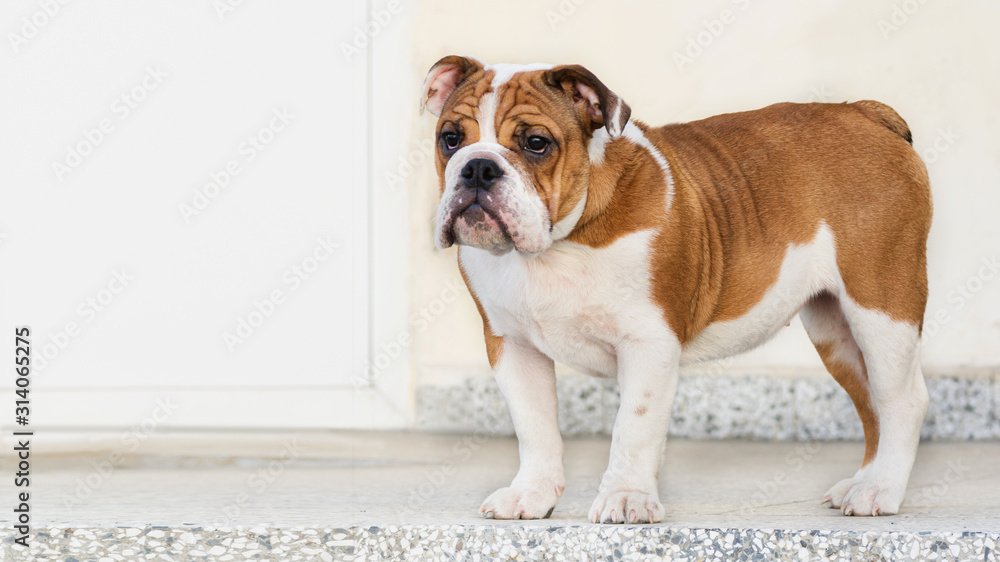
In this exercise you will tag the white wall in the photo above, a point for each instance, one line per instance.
(937, 65)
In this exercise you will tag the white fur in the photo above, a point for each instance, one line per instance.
(486, 117)
(528, 215)
(899, 396)
(634, 133)
(590, 309)
(487, 111)
(647, 379)
(574, 303)
(563, 228)
(596, 146)
(528, 378)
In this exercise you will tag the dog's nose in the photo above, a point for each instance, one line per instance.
(480, 173)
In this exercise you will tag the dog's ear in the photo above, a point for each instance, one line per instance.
(599, 106)
(443, 78)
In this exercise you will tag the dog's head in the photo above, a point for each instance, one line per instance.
(512, 149)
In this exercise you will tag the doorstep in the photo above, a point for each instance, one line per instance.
(394, 495)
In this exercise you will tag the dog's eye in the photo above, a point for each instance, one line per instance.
(450, 140)
(536, 144)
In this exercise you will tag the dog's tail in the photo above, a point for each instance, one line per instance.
(886, 116)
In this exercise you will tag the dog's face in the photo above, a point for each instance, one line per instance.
(512, 150)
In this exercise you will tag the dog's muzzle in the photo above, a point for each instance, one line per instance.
(487, 204)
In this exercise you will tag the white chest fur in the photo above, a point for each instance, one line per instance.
(576, 304)
(573, 303)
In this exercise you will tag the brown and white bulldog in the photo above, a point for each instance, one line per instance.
(624, 250)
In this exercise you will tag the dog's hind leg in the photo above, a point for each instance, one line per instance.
(874, 358)
(829, 332)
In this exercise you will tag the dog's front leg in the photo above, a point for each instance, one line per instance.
(527, 380)
(647, 378)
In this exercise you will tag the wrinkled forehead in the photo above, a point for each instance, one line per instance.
(501, 91)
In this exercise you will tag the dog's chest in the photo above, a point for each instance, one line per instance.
(573, 303)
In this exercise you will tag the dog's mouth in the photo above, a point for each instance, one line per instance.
(475, 219)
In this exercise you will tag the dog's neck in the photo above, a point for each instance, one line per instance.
(620, 186)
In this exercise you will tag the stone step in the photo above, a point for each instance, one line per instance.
(720, 406)
(365, 496)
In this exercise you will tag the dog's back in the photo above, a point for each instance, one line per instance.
(768, 178)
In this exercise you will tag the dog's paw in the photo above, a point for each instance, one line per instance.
(835, 495)
(627, 506)
(520, 503)
(858, 496)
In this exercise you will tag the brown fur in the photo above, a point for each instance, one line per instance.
(856, 385)
(885, 115)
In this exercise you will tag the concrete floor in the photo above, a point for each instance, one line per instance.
(342, 479)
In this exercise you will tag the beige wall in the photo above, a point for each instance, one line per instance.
(940, 68)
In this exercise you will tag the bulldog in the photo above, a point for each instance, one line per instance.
(624, 250)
